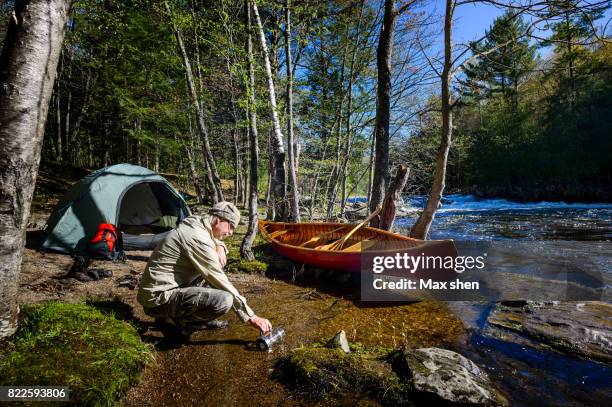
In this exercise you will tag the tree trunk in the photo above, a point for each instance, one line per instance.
(198, 66)
(137, 128)
(278, 151)
(69, 144)
(420, 230)
(246, 246)
(394, 193)
(297, 154)
(28, 66)
(89, 89)
(270, 209)
(383, 102)
(210, 161)
(349, 108)
(106, 143)
(333, 180)
(58, 113)
(236, 166)
(89, 151)
(156, 165)
(315, 188)
(234, 131)
(245, 174)
(294, 199)
(193, 172)
(371, 167)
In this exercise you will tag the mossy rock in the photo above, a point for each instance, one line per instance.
(97, 356)
(325, 373)
(427, 376)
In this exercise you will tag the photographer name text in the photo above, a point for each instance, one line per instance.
(424, 284)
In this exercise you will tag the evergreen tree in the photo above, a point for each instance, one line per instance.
(501, 71)
(572, 25)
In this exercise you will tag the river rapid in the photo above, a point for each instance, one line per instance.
(463, 217)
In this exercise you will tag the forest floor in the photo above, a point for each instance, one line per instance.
(223, 367)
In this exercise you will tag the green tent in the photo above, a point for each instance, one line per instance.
(135, 199)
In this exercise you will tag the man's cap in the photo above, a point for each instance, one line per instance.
(227, 211)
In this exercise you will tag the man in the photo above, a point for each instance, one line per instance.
(184, 284)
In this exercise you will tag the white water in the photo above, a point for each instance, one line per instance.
(468, 203)
(463, 217)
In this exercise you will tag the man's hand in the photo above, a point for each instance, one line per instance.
(261, 323)
(222, 256)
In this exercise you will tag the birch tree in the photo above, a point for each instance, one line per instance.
(246, 246)
(28, 65)
(278, 185)
(294, 200)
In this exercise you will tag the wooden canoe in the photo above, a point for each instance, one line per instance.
(307, 243)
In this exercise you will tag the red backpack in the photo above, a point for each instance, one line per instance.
(106, 243)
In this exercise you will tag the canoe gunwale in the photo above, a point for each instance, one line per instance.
(396, 236)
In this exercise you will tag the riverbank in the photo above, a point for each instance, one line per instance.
(223, 368)
(550, 193)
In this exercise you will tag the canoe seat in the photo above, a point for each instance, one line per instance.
(360, 246)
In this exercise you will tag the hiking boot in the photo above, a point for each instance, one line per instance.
(164, 322)
(169, 328)
(205, 326)
(217, 324)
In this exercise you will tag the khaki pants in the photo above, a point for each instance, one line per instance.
(192, 305)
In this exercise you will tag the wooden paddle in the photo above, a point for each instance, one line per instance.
(321, 236)
(337, 245)
(278, 233)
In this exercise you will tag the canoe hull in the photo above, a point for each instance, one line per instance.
(387, 243)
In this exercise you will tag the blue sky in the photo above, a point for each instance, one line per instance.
(471, 20)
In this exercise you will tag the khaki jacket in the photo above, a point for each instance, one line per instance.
(188, 252)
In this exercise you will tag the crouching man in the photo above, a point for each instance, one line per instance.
(184, 285)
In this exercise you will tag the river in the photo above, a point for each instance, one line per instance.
(580, 234)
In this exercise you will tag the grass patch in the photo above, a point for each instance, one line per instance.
(97, 356)
(247, 266)
(319, 372)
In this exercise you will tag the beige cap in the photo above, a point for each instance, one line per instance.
(227, 211)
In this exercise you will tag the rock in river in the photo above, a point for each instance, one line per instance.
(447, 375)
(581, 329)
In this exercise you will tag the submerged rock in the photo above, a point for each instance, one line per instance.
(444, 374)
(339, 341)
(579, 329)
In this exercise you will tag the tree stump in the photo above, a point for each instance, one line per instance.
(387, 214)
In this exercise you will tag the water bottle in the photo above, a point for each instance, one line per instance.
(266, 342)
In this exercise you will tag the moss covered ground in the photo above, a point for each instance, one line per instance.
(75, 345)
(330, 375)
